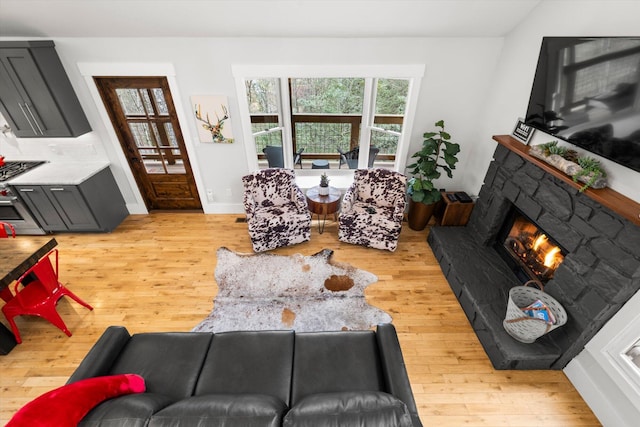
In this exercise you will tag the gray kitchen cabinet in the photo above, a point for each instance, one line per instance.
(94, 205)
(36, 96)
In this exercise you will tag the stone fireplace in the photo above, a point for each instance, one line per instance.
(599, 268)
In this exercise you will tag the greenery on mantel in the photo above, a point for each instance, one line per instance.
(585, 169)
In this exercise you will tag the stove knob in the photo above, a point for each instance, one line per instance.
(4, 192)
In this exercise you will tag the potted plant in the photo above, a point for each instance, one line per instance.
(324, 185)
(437, 154)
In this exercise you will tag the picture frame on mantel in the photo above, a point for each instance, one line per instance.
(523, 132)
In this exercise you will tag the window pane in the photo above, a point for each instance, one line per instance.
(391, 97)
(327, 96)
(323, 137)
(271, 138)
(387, 143)
(262, 96)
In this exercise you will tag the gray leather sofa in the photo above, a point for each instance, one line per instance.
(264, 378)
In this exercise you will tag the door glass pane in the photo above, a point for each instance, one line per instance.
(172, 160)
(161, 103)
(147, 102)
(130, 102)
(142, 134)
(171, 135)
(152, 161)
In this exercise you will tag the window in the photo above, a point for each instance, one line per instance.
(311, 115)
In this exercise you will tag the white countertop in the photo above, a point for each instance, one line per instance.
(58, 173)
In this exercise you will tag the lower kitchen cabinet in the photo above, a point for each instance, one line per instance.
(93, 205)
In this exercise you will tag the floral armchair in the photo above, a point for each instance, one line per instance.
(373, 209)
(277, 210)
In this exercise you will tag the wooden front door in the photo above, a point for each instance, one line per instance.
(144, 118)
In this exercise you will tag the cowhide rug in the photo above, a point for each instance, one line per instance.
(304, 293)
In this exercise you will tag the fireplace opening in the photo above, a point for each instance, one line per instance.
(530, 252)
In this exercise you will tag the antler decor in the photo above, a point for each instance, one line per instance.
(216, 130)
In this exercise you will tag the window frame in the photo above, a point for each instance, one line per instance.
(411, 72)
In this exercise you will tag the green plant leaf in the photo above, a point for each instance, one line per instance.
(451, 148)
(444, 135)
(428, 135)
(418, 196)
(429, 146)
(440, 123)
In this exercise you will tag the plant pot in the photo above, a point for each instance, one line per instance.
(419, 214)
(323, 191)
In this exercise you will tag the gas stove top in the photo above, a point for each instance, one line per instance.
(12, 169)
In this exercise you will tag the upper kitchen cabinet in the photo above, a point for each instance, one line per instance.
(36, 96)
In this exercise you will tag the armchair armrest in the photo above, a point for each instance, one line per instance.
(102, 355)
(398, 213)
(300, 200)
(394, 369)
(350, 197)
(249, 204)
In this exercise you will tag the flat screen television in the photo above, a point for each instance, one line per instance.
(586, 91)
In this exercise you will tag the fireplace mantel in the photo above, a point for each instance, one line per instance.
(613, 200)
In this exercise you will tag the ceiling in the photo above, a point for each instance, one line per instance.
(262, 18)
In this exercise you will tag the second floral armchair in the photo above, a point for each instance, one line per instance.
(373, 209)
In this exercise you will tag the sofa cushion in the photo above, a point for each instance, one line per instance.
(126, 411)
(327, 362)
(248, 362)
(169, 362)
(228, 410)
(361, 408)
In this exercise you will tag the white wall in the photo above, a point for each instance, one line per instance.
(479, 86)
(511, 83)
(454, 88)
(608, 382)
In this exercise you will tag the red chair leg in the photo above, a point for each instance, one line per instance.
(66, 291)
(54, 318)
(6, 294)
(14, 327)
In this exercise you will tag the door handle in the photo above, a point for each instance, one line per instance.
(56, 189)
(26, 190)
(34, 119)
(24, 113)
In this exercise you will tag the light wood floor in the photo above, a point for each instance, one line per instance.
(155, 273)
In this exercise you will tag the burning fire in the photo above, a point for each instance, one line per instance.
(551, 259)
(550, 256)
(534, 250)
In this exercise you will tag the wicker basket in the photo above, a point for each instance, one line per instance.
(524, 328)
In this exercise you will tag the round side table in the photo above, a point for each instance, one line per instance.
(323, 205)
